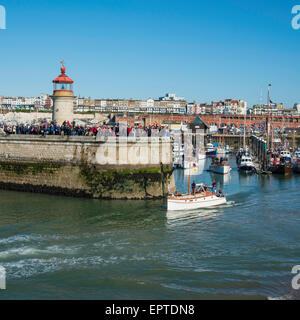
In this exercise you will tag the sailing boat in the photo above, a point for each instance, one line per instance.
(202, 196)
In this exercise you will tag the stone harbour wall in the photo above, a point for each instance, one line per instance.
(107, 168)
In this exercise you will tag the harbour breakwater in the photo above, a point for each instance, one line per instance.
(101, 168)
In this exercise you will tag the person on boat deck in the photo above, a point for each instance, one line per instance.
(214, 184)
(220, 194)
(193, 187)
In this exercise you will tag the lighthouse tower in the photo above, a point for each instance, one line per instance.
(63, 98)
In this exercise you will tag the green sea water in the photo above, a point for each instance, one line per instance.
(63, 248)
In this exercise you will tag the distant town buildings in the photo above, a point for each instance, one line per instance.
(169, 104)
(44, 102)
(228, 106)
(275, 109)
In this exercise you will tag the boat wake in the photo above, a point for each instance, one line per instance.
(186, 217)
(229, 204)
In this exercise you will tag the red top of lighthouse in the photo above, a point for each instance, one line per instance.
(63, 78)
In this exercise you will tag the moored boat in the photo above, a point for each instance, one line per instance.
(286, 155)
(242, 152)
(282, 168)
(210, 150)
(246, 164)
(220, 166)
(296, 167)
(296, 162)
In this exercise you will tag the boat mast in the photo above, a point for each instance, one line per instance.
(190, 177)
(244, 143)
(294, 139)
(268, 118)
(272, 134)
(272, 128)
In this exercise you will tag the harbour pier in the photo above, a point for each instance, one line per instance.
(92, 167)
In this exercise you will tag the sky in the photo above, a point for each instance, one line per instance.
(201, 50)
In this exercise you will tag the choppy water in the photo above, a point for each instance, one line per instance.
(63, 248)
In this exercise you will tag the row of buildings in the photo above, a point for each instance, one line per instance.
(228, 106)
(169, 104)
(274, 109)
(44, 102)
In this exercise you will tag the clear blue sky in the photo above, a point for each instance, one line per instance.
(202, 50)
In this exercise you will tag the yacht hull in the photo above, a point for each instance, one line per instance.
(201, 156)
(296, 167)
(247, 169)
(192, 203)
(281, 169)
(211, 153)
(220, 169)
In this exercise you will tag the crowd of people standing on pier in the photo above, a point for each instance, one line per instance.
(68, 128)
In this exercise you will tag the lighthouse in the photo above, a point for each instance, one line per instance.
(63, 98)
